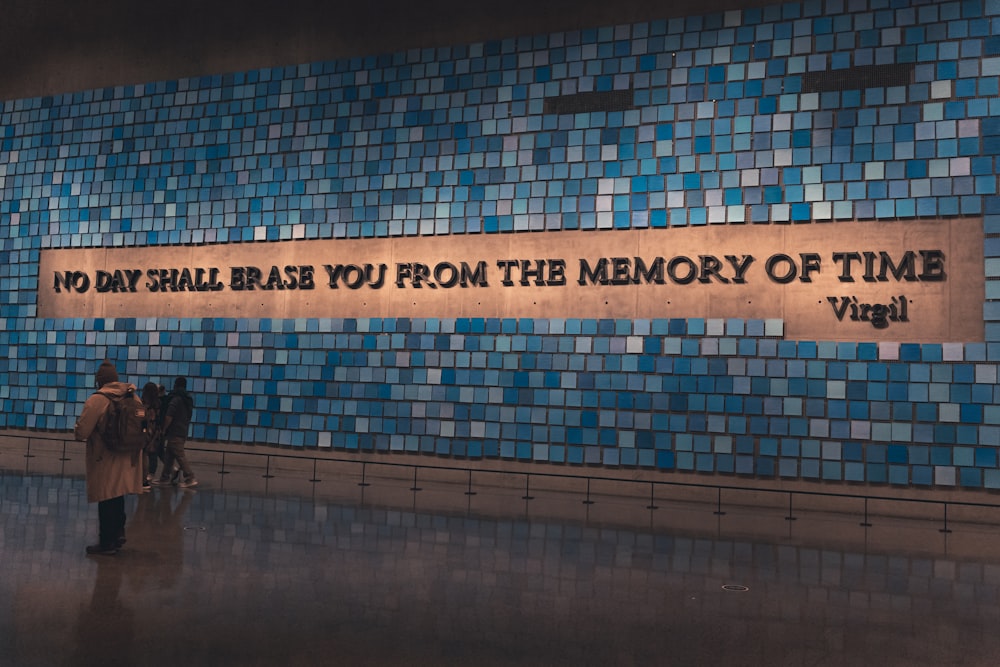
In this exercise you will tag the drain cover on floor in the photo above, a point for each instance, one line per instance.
(735, 587)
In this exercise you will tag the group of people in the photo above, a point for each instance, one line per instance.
(111, 475)
(168, 416)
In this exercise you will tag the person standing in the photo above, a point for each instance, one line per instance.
(154, 449)
(110, 475)
(176, 420)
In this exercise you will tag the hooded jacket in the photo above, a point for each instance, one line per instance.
(109, 474)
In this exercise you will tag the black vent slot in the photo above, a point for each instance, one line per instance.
(858, 78)
(598, 100)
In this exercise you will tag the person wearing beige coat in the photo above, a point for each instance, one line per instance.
(110, 475)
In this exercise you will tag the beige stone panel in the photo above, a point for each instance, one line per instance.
(698, 277)
(968, 293)
(720, 296)
(433, 301)
(948, 310)
(572, 299)
(324, 302)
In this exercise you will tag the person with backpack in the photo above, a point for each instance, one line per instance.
(112, 470)
(176, 420)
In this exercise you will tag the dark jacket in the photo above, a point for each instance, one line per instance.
(180, 407)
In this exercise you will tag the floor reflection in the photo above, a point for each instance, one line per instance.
(379, 575)
(105, 626)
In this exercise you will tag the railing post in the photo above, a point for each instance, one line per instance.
(718, 504)
(588, 501)
(652, 501)
(470, 492)
(415, 488)
(790, 517)
(945, 529)
(866, 523)
(314, 478)
(222, 468)
(364, 466)
(267, 473)
(64, 457)
(527, 493)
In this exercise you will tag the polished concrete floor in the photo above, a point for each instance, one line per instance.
(279, 570)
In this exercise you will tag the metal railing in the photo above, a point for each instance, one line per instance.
(864, 499)
(468, 472)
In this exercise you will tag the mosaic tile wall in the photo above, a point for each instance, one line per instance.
(726, 119)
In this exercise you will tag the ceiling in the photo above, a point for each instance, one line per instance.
(55, 46)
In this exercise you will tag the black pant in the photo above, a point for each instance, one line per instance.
(111, 521)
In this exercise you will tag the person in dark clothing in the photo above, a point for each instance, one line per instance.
(176, 421)
(154, 433)
(175, 472)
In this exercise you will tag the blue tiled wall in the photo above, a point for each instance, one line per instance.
(457, 141)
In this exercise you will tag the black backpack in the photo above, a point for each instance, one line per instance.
(125, 423)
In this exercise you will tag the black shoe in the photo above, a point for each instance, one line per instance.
(102, 550)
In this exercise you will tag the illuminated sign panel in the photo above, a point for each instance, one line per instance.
(902, 281)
